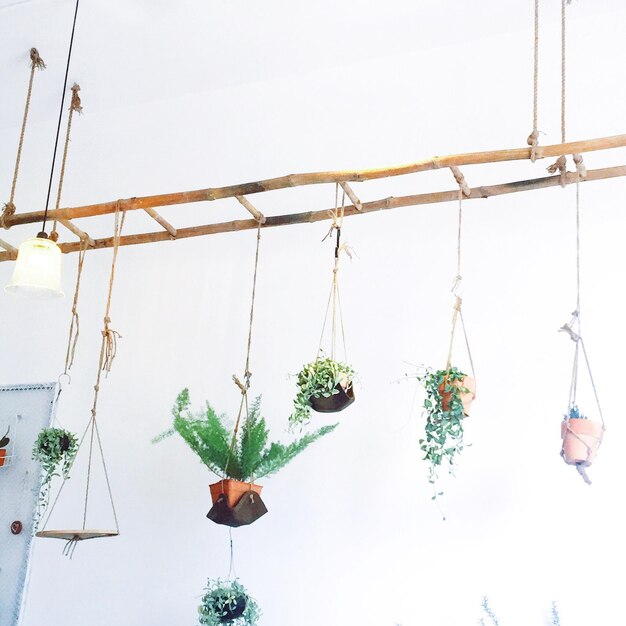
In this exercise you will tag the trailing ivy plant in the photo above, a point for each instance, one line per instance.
(444, 428)
(209, 435)
(319, 378)
(55, 449)
(221, 599)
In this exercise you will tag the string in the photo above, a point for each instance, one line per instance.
(533, 138)
(74, 331)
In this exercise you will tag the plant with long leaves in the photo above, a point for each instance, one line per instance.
(55, 449)
(443, 439)
(209, 436)
(320, 378)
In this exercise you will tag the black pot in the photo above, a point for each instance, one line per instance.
(231, 612)
(65, 443)
(335, 403)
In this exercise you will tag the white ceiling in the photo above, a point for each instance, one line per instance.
(135, 51)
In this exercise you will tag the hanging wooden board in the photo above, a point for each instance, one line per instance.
(76, 535)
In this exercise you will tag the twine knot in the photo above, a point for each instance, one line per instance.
(243, 388)
(7, 211)
(76, 103)
(581, 170)
(560, 165)
(54, 236)
(36, 62)
(460, 179)
(533, 142)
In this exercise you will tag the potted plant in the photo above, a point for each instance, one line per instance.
(581, 438)
(228, 602)
(4, 442)
(54, 448)
(449, 395)
(325, 386)
(249, 459)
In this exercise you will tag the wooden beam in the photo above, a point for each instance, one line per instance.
(258, 216)
(7, 246)
(368, 207)
(315, 178)
(78, 232)
(160, 220)
(353, 197)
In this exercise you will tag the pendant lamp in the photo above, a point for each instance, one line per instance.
(37, 272)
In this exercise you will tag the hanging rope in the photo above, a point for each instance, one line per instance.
(334, 299)
(457, 314)
(533, 138)
(245, 385)
(74, 331)
(573, 329)
(36, 63)
(75, 106)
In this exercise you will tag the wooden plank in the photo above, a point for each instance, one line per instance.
(161, 221)
(315, 178)
(258, 216)
(368, 207)
(7, 246)
(353, 197)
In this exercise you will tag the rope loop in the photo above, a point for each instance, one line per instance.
(581, 170)
(8, 210)
(560, 165)
(36, 62)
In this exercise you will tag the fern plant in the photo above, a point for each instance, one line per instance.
(228, 602)
(209, 436)
(444, 427)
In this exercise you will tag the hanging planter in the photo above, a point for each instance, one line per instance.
(581, 438)
(236, 498)
(449, 394)
(4, 442)
(55, 449)
(228, 602)
(325, 386)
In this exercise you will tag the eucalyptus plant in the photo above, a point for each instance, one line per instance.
(209, 435)
(222, 600)
(55, 449)
(320, 378)
(444, 427)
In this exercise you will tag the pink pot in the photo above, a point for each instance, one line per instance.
(466, 398)
(581, 440)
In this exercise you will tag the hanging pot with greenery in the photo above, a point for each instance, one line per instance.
(238, 460)
(55, 450)
(326, 385)
(4, 442)
(228, 602)
(581, 438)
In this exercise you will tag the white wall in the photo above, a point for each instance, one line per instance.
(352, 536)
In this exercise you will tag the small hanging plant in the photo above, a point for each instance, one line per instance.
(325, 386)
(4, 442)
(449, 394)
(581, 438)
(228, 602)
(55, 448)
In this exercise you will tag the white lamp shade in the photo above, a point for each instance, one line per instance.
(37, 272)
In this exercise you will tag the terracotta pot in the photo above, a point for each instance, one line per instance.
(466, 398)
(581, 440)
(233, 612)
(3, 454)
(233, 490)
(335, 403)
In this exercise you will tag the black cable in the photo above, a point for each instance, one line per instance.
(56, 141)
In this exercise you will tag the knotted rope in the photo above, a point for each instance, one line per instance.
(245, 385)
(36, 63)
(457, 313)
(334, 298)
(533, 138)
(75, 106)
(74, 331)
(572, 329)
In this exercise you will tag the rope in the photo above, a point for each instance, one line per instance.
(245, 385)
(36, 63)
(75, 106)
(74, 331)
(533, 138)
(457, 313)
(334, 297)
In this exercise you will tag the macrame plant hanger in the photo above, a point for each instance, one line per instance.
(108, 350)
(334, 300)
(251, 506)
(36, 63)
(457, 313)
